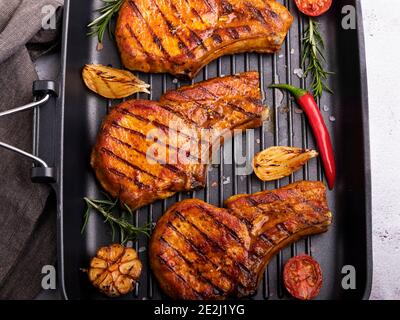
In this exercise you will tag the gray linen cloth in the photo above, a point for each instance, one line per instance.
(27, 237)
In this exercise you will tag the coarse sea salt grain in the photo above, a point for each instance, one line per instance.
(142, 249)
(175, 81)
(292, 51)
(299, 72)
(226, 180)
(281, 56)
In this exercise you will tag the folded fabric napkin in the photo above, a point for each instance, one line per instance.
(27, 237)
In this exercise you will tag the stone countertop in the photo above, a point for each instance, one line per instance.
(382, 30)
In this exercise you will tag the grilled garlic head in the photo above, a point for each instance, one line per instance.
(278, 162)
(112, 83)
(115, 270)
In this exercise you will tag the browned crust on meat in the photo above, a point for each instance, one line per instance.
(180, 37)
(199, 251)
(126, 161)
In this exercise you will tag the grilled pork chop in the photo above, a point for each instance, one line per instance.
(149, 150)
(182, 36)
(199, 251)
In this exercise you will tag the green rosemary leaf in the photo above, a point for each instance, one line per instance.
(86, 219)
(107, 12)
(105, 208)
(313, 59)
(104, 202)
(106, 195)
(128, 209)
(112, 231)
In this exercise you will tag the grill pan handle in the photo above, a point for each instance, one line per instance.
(45, 93)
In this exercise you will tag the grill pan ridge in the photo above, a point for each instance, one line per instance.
(348, 242)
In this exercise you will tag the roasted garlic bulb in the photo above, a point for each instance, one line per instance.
(112, 83)
(278, 162)
(115, 270)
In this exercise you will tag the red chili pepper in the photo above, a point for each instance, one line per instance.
(307, 102)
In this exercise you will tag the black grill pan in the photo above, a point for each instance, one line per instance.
(348, 241)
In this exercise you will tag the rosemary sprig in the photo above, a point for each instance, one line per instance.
(100, 24)
(105, 208)
(313, 58)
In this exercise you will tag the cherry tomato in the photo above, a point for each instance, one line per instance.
(313, 8)
(302, 277)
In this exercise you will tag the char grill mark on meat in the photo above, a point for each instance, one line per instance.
(173, 33)
(193, 37)
(142, 154)
(212, 113)
(154, 37)
(199, 253)
(203, 276)
(156, 124)
(180, 37)
(219, 256)
(215, 242)
(136, 135)
(231, 105)
(170, 167)
(198, 245)
(133, 166)
(218, 251)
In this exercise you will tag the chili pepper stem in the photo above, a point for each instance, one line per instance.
(307, 102)
(296, 92)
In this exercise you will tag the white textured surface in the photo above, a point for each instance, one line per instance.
(382, 37)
